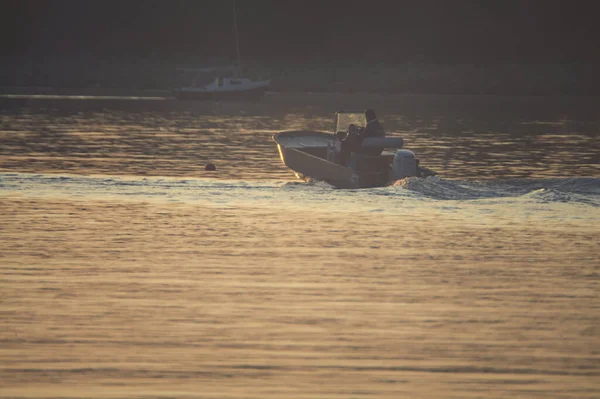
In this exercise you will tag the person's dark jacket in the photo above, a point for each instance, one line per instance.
(372, 129)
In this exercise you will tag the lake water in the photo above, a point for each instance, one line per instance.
(129, 271)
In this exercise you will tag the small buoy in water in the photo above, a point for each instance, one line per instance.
(210, 166)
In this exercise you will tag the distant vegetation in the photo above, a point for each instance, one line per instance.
(346, 76)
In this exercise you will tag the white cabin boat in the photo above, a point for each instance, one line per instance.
(225, 88)
(234, 87)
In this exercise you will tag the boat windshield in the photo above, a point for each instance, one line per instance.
(345, 119)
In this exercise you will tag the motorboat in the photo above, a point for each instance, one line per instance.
(315, 155)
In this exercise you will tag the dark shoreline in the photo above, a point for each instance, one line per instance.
(146, 77)
(35, 92)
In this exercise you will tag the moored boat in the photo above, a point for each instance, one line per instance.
(223, 87)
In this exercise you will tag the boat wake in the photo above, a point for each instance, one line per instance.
(313, 183)
(312, 193)
(582, 190)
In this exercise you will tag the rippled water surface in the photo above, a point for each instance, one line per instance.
(129, 271)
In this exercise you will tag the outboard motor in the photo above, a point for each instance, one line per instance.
(403, 165)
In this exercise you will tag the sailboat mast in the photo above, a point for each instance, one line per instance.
(237, 41)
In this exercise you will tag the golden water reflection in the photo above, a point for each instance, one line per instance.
(462, 138)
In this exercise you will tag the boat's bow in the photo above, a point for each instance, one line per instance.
(305, 152)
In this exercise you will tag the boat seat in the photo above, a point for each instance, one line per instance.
(382, 142)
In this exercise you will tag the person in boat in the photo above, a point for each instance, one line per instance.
(373, 128)
(353, 140)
